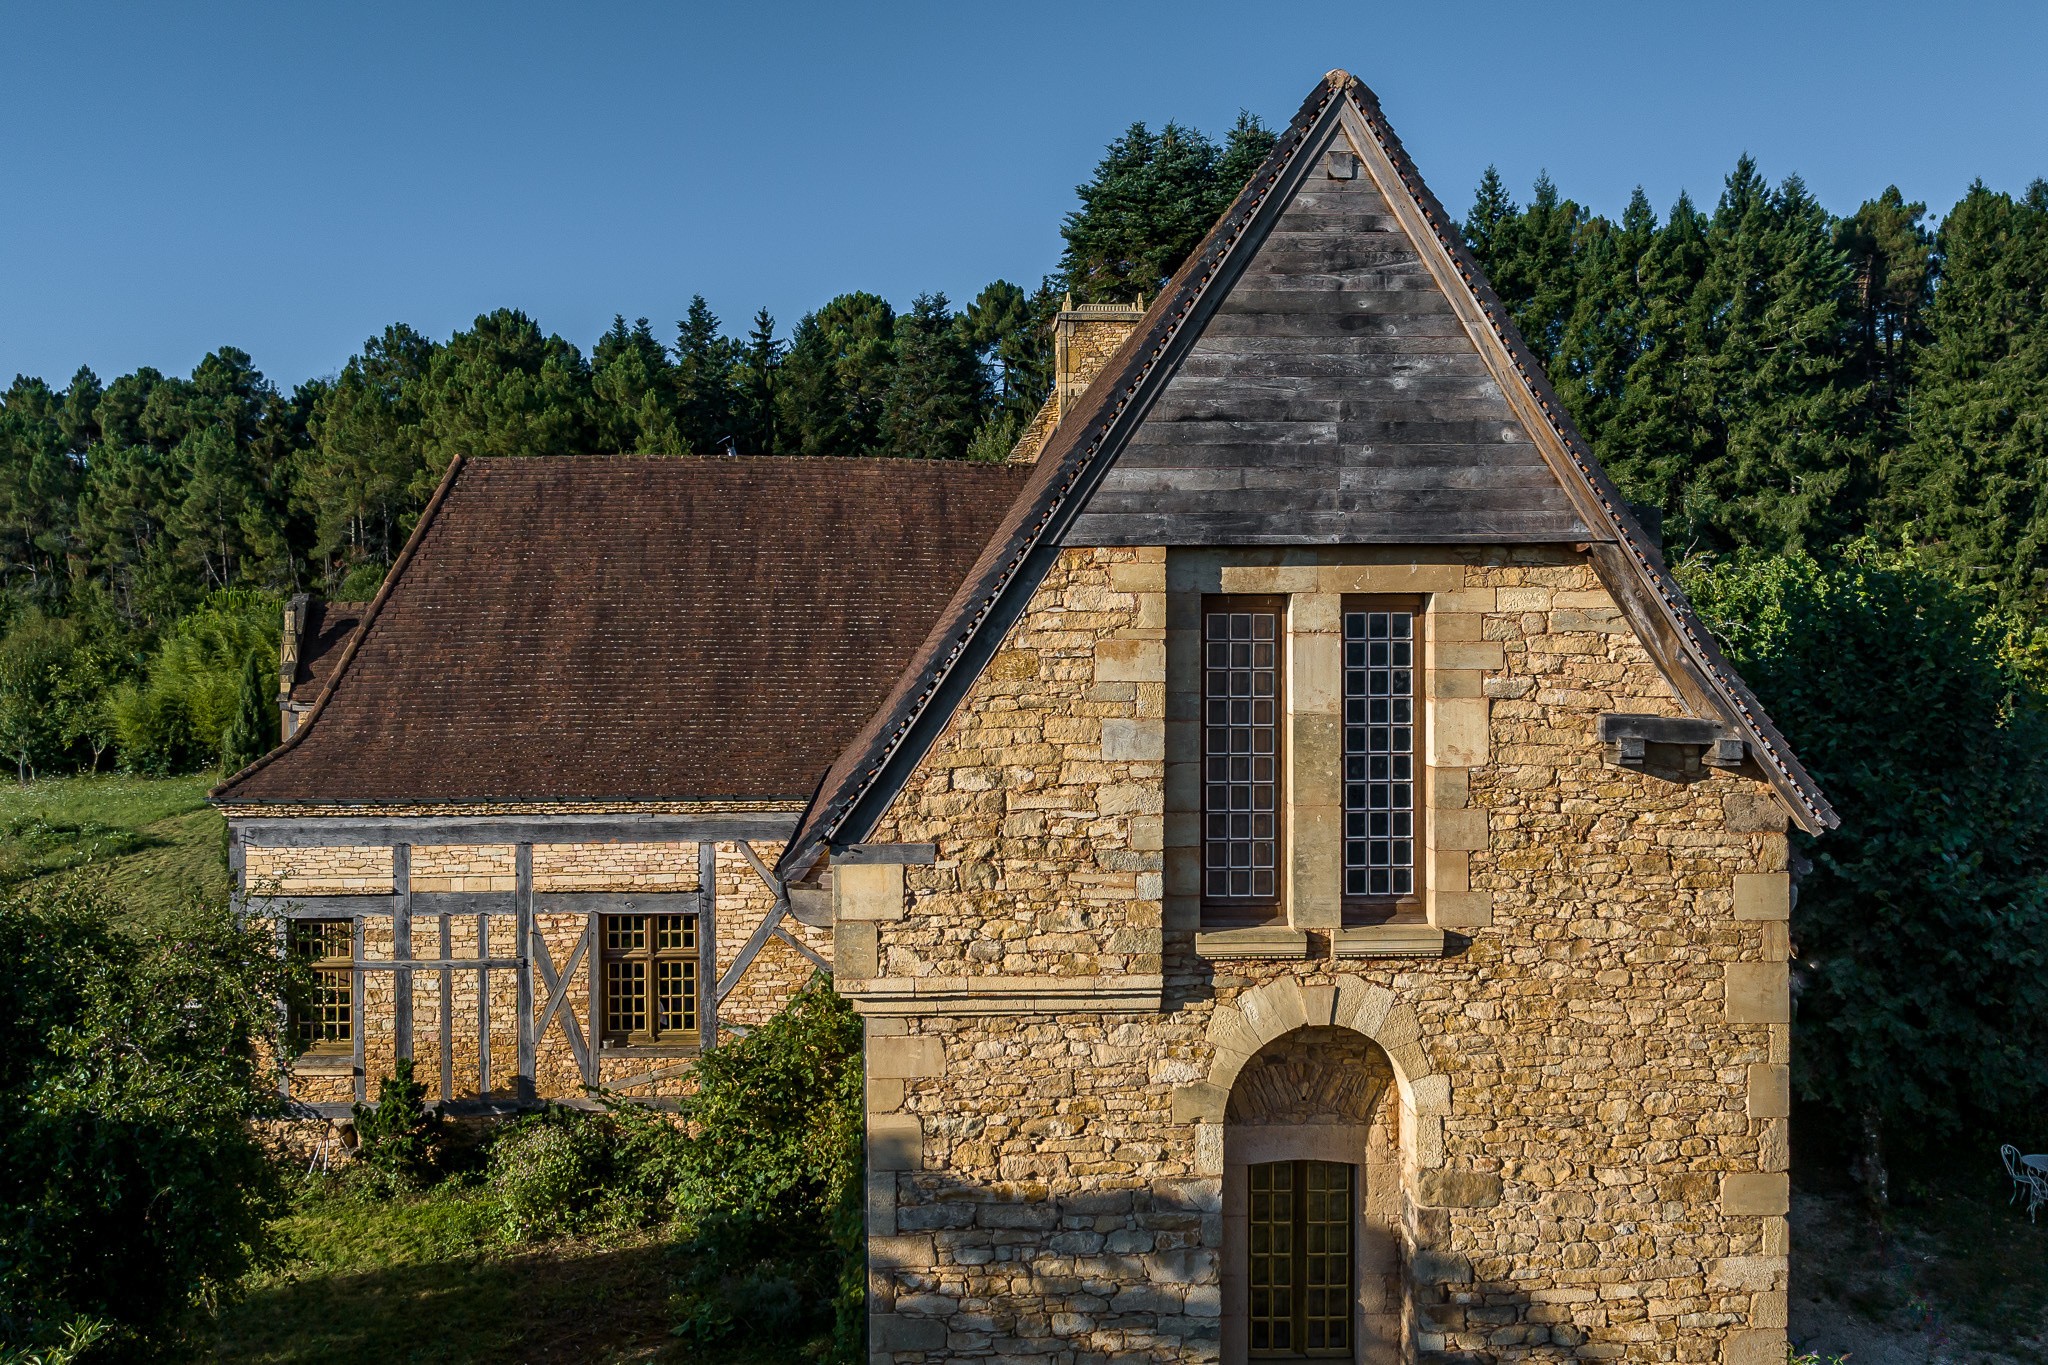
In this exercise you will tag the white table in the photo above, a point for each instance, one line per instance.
(2037, 1163)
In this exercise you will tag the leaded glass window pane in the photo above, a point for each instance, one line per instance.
(650, 978)
(1241, 755)
(1379, 754)
(326, 1017)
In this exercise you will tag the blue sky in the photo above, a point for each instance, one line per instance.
(291, 178)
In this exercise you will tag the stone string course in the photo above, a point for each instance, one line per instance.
(1590, 1085)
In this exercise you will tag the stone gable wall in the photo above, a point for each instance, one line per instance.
(1591, 1080)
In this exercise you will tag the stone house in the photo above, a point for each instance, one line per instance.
(1313, 886)
(1319, 892)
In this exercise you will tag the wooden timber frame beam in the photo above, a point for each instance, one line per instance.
(340, 831)
(769, 927)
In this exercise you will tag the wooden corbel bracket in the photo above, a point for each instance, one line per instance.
(1628, 738)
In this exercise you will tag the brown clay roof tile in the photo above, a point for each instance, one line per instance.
(630, 628)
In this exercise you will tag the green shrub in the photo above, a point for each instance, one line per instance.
(770, 1181)
(65, 1345)
(131, 1184)
(401, 1139)
(570, 1172)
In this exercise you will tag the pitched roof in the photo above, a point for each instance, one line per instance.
(864, 778)
(321, 644)
(622, 628)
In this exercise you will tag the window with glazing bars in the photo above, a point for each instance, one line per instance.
(1241, 754)
(1299, 1258)
(649, 965)
(1382, 816)
(325, 1016)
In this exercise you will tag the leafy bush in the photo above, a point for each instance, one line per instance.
(759, 1172)
(569, 1172)
(401, 1138)
(1921, 931)
(131, 1184)
(770, 1181)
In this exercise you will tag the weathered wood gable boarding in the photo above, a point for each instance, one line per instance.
(527, 805)
(1333, 395)
(1535, 1109)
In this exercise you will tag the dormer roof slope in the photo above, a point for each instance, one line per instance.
(1537, 476)
(629, 628)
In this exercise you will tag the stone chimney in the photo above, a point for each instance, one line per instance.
(1083, 337)
(289, 644)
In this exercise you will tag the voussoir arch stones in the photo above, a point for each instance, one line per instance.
(1237, 1031)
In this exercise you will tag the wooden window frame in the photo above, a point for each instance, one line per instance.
(1365, 909)
(309, 1018)
(1237, 911)
(651, 955)
(1303, 1259)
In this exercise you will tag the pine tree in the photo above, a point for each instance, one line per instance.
(1153, 198)
(503, 388)
(758, 374)
(835, 377)
(706, 404)
(249, 733)
(937, 393)
(1892, 259)
(1657, 433)
(1969, 481)
(1790, 461)
(632, 389)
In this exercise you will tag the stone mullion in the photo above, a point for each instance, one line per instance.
(1313, 822)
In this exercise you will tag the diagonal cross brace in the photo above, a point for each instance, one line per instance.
(557, 997)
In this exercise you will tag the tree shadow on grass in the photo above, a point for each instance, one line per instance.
(554, 1303)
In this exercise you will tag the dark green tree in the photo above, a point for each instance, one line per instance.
(359, 480)
(758, 376)
(1969, 480)
(707, 401)
(1154, 196)
(835, 377)
(132, 1182)
(1891, 261)
(250, 729)
(503, 388)
(633, 392)
(1894, 686)
(937, 394)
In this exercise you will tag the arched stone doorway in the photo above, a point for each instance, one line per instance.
(1311, 1201)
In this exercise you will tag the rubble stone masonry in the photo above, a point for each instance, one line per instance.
(1582, 1151)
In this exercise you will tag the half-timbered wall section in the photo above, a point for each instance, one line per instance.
(479, 958)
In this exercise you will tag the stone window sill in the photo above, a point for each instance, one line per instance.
(1266, 941)
(319, 1064)
(1279, 943)
(1412, 939)
(648, 1050)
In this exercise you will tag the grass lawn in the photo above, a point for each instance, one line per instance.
(429, 1279)
(155, 841)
